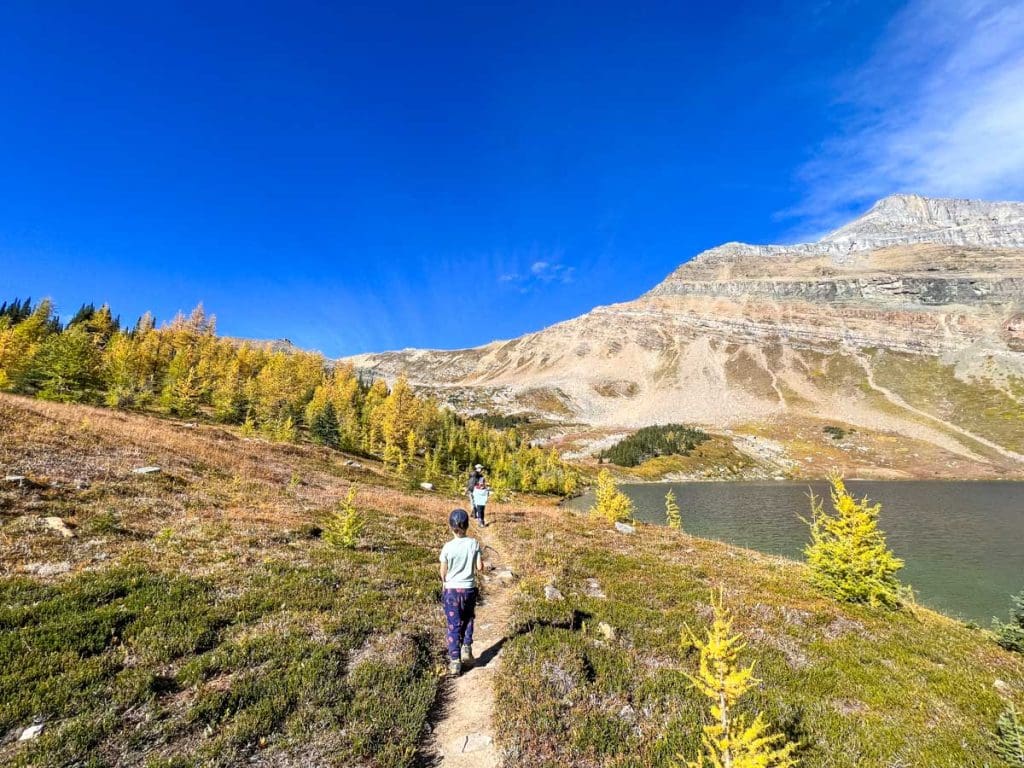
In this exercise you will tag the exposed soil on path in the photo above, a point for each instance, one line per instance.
(463, 735)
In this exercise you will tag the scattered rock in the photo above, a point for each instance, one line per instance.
(146, 470)
(504, 575)
(18, 480)
(31, 732)
(551, 593)
(427, 486)
(606, 630)
(477, 741)
(48, 569)
(1002, 686)
(353, 463)
(625, 528)
(627, 713)
(59, 526)
(592, 588)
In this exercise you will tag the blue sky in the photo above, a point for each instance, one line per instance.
(367, 177)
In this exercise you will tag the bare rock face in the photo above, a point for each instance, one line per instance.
(908, 320)
(898, 220)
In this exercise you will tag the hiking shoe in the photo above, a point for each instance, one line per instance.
(454, 667)
(467, 654)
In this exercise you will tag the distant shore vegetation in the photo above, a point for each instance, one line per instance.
(651, 442)
(184, 369)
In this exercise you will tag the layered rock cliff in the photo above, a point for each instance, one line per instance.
(908, 320)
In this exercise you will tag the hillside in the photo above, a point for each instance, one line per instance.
(196, 616)
(906, 325)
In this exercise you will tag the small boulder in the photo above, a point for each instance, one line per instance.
(31, 732)
(625, 528)
(504, 575)
(476, 742)
(606, 630)
(427, 486)
(627, 713)
(146, 470)
(59, 526)
(552, 593)
(592, 588)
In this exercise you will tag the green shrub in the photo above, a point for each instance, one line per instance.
(836, 433)
(1011, 635)
(1009, 740)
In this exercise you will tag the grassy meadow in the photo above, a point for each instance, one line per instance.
(197, 617)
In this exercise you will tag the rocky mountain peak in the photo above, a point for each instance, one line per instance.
(897, 220)
(910, 219)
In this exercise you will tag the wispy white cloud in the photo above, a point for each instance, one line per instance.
(938, 109)
(539, 272)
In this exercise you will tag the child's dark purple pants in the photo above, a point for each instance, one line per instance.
(459, 612)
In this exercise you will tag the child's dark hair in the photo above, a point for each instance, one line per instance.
(459, 520)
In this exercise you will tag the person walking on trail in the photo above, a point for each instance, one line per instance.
(481, 494)
(475, 477)
(461, 559)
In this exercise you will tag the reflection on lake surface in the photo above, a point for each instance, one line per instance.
(963, 542)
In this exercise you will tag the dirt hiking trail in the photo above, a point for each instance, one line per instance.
(463, 735)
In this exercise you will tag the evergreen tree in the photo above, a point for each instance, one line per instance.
(610, 503)
(1009, 740)
(729, 741)
(673, 519)
(848, 555)
(343, 527)
(1011, 635)
(84, 313)
(66, 368)
(324, 426)
(20, 342)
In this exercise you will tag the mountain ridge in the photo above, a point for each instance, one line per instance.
(743, 336)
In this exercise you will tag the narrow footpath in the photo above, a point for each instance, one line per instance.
(463, 735)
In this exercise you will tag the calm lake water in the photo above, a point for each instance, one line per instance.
(963, 543)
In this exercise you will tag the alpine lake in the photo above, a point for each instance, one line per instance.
(962, 542)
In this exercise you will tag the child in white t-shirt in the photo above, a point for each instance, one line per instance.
(461, 559)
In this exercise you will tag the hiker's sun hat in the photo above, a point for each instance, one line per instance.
(479, 466)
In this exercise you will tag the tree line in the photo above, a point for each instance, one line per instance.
(184, 369)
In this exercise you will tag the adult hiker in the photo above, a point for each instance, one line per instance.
(475, 477)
